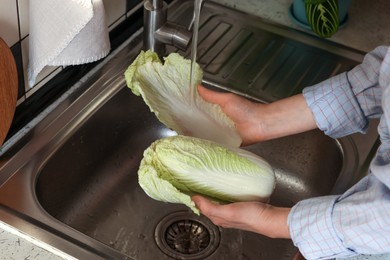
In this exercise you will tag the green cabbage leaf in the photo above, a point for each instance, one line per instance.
(165, 88)
(175, 168)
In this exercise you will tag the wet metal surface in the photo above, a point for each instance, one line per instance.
(78, 187)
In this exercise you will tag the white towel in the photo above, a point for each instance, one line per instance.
(66, 32)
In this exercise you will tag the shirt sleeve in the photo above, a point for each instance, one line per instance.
(356, 222)
(343, 104)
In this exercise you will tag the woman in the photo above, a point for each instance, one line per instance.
(353, 223)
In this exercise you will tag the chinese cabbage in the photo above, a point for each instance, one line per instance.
(165, 88)
(174, 168)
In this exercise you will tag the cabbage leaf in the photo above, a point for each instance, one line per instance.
(174, 168)
(165, 88)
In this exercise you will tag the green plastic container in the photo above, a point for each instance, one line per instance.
(298, 14)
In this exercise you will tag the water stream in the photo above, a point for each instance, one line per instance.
(194, 45)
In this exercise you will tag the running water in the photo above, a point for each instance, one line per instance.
(195, 28)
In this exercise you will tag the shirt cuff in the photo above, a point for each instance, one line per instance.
(312, 230)
(335, 108)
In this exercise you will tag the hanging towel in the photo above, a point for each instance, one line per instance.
(63, 33)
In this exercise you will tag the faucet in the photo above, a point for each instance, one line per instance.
(158, 31)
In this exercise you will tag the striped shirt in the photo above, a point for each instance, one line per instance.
(358, 221)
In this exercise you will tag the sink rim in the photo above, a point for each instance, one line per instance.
(50, 133)
(34, 210)
(34, 214)
(44, 221)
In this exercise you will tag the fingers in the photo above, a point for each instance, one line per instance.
(219, 213)
(211, 210)
(216, 213)
(234, 215)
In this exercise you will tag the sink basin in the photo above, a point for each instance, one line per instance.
(72, 182)
(95, 190)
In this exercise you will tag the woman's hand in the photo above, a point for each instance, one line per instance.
(258, 122)
(250, 216)
(244, 113)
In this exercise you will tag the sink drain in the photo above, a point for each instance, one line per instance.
(183, 235)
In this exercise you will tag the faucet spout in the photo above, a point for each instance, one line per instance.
(157, 4)
(158, 31)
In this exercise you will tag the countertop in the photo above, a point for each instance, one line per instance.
(364, 31)
(17, 245)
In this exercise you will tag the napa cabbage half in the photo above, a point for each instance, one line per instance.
(166, 89)
(174, 168)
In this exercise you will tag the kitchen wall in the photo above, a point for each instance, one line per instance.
(14, 29)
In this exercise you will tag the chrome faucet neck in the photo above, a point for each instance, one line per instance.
(157, 4)
(158, 31)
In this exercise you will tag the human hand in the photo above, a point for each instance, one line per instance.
(257, 122)
(245, 114)
(250, 216)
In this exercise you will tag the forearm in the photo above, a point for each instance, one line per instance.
(286, 117)
(275, 224)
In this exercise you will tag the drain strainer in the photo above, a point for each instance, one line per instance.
(183, 235)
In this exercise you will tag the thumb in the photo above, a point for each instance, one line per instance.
(205, 206)
(212, 96)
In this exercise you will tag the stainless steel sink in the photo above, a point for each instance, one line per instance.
(72, 181)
